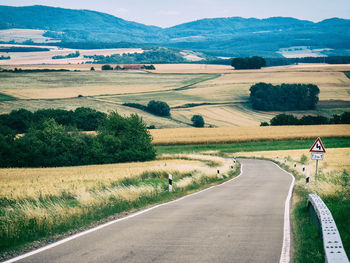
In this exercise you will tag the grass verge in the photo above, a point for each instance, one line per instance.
(27, 220)
(332, 142)
(334, 188)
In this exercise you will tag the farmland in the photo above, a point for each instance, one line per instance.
(217, 93)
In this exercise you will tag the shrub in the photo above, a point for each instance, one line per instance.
(264, 123)
(107, 67)
(197, 121)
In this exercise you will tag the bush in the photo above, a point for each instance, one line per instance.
(284, 119)
(159, 108)
(197, 121)
(264, 124)
(107, 67)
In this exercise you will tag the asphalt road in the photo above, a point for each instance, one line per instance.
(240, 221)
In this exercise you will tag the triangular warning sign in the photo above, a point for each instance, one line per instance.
(318, 147)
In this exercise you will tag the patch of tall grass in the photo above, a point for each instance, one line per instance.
(27, 219)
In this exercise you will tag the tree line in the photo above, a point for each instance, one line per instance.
(284, 97)
(50, 144)
(70, 55)
(152, 56)
(289, 119)
(254, 62)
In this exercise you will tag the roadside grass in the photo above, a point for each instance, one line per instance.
(42, 216)
(270, 145)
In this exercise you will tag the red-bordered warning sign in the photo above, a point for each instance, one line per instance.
(318, 147)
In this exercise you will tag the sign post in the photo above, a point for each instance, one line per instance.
(317, 150)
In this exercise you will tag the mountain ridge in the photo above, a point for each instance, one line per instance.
(234, 35)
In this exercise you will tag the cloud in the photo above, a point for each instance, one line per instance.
(169, 13)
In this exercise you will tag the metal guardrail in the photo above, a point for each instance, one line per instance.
(332, 244)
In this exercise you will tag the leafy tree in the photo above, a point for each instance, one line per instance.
(197, 121)
(159, 108)
(125, 139)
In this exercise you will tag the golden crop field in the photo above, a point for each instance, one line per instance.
(237, 134)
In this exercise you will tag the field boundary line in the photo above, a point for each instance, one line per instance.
(55, 244)
(285, 252)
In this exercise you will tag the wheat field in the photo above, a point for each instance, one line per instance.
(238, 134)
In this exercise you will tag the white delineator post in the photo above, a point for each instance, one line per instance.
(170, 183)
(218, 173)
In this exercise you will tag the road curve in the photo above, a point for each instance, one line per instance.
(239, 221)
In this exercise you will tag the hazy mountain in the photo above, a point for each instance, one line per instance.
(233, 36)
(77, 25)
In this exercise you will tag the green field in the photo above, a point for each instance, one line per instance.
(253, 146)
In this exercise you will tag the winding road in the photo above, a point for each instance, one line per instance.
(240, 221)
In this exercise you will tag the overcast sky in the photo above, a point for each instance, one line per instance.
(167, 13)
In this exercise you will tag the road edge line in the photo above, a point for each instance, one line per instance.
(285, 252)
(55, 244)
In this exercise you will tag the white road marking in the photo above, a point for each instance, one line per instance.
(285, 253)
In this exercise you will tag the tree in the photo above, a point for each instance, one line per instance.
(159, 108)
(125, 139)
(197, 121)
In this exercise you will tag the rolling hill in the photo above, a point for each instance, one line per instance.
(233, 36)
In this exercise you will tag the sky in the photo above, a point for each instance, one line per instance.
(166, 13)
